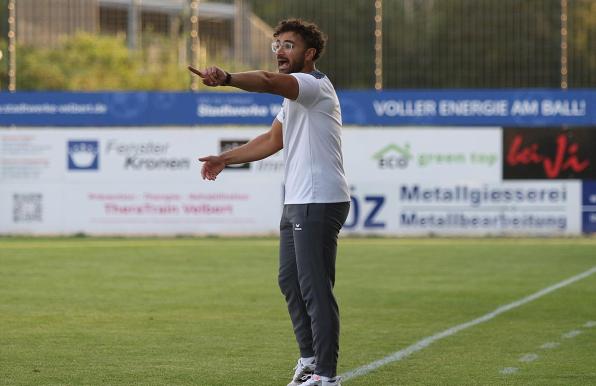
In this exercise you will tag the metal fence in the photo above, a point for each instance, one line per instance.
(452, 43)
(383, 44)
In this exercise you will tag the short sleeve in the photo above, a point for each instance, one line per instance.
(308, 88)
(280, 115)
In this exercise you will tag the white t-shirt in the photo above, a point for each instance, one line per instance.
(314, 171)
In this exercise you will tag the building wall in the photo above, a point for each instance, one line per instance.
(44, 23)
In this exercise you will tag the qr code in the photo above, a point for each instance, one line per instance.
(27, 207)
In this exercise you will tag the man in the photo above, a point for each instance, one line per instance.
(316, 201)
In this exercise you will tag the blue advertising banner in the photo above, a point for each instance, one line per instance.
(520, 107)
(136, 108)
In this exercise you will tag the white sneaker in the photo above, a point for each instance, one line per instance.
(316, 380)
(302, 372)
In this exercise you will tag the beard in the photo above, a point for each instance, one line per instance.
(297, 66)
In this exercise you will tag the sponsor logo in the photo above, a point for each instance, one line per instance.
(508, 207)
(395, 156)
(146, 155)
(485, 195)
(228, 110)
(229, 144)
(271, 164)
(548, 153)
(83, 155)
(297, 227)
(222, 108)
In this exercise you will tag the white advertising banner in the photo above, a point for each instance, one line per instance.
(511, 208)
(404, 181)
(422, 154)
(127, 181)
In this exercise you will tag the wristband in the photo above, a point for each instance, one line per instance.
(228, 79)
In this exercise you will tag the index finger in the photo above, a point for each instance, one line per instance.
(194, 70)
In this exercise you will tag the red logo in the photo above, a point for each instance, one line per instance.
(565, 157)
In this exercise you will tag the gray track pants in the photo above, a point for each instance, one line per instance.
(308, 245)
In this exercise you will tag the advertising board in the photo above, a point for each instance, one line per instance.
(475, 209)
(423, 154)
(487, 107)
(549, 153)
(404, 181)
(113, 181)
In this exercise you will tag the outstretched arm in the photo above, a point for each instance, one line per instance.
(256, 81)
(258, 148)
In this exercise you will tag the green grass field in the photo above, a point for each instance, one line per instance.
(209, 312)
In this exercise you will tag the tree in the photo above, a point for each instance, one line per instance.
(92, 62)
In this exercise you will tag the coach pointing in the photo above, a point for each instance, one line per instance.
(316, 201)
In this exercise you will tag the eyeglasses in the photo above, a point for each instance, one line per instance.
(276, 46)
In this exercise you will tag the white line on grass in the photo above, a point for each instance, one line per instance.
(549, 345)
(425, 342)
(509, 370)
(528, 357)
(590, 324)
(571, 334)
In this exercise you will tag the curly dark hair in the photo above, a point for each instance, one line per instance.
(310, 32)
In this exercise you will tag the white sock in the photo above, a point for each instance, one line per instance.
(308, 361)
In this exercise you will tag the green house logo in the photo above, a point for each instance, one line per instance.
(393, 156)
